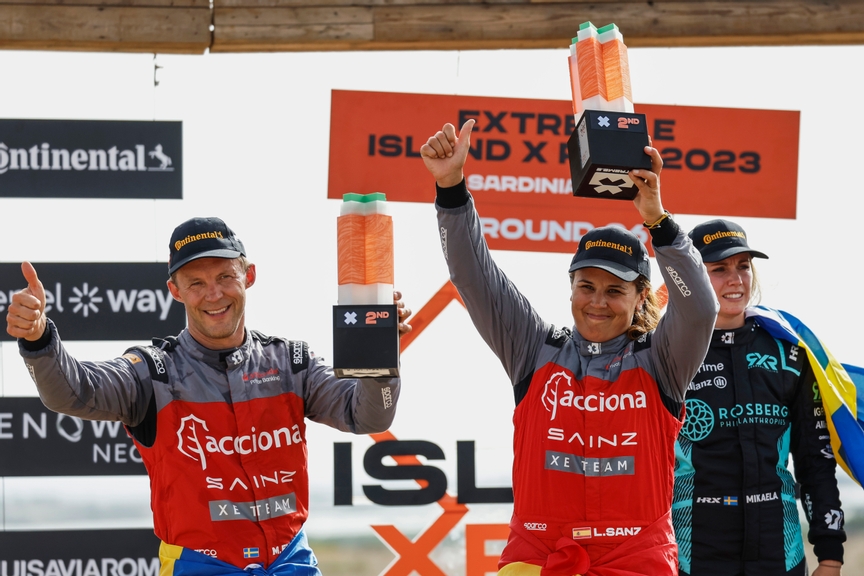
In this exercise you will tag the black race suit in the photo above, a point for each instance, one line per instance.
(752, 403)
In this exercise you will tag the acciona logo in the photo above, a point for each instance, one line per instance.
(195, 440)
(555, 395)
(45, 157)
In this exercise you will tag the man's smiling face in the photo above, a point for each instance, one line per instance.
(213, 290)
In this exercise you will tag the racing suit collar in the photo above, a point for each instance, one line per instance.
(736, 336)
(588, 348)
(215, 358)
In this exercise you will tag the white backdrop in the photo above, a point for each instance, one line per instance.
(256, 130)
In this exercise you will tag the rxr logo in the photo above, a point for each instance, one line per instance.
(550, 392)
(765, 361)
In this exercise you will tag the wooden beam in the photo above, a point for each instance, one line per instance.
(294, 25)
(114, 3)
(105, 28)
(313, 25)
(263, 29)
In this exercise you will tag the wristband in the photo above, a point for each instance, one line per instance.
(657, 223)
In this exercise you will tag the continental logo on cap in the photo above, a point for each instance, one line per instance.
(579, 533)
(189, 239)
(604, 244)
(708, 238)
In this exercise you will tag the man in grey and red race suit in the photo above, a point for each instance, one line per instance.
(217, 413)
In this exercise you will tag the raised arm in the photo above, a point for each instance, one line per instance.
(502, 315)
(683, 335)
(112, 390)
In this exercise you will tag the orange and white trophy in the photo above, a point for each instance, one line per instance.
(609, 138)
(365, 321)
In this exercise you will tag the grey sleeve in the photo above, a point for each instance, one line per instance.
(501, 314)
(360, 406)
(118, 389)
(682, 337)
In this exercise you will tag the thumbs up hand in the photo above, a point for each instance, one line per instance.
(26, 314)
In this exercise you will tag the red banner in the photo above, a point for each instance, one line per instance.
(717, 161)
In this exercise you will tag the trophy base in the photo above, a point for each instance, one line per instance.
(365, 341)
(603, 148)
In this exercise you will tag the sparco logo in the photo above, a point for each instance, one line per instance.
(535, 526)
(158, 364)
(297, 353)
(190, 444)
(679, 282)
(444, 241)
(45, 157)
(388, 397)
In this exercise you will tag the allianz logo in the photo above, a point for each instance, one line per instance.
(44, 157)
(87, 299)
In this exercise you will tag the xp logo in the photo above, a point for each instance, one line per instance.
(834, 519)
(699, 420)
(550, 391)
(764, 361)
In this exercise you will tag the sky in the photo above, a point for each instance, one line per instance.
(256, 129)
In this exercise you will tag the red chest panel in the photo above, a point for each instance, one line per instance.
(592, 458)
(226, 479)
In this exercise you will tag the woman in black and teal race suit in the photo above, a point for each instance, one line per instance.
(752, 403)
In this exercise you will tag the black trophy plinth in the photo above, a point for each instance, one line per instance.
(365, 341)
(604, 147)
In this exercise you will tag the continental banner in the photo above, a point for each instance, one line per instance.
(35, 441)
(91, 159)
(80, 553)
(723, 161)
(101, 301)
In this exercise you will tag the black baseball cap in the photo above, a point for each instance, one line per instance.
(719, 239)
(615, 250)
(202, 238)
